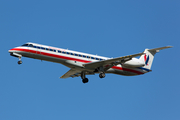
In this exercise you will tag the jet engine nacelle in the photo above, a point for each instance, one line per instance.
(134, 62)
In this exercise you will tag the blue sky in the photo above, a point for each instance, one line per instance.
(115, 28)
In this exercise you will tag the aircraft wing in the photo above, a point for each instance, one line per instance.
(70, 73)
(110, 62)
(75, 73)
(93, 65)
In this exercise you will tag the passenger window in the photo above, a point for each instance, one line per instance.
(54, 50)
(47, 48)
(92, 57)
(34, 46)
(59, 51)
(42, 48)
(97, 58)
(63, 52)
(38, 47)
(72, 54)
(84, 56)
(80, 55)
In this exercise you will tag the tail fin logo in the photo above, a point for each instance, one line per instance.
(146, 59)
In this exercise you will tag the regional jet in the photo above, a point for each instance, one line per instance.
(82, 64)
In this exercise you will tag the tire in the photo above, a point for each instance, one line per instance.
(85, 80)
(19, 62)
(102, 75)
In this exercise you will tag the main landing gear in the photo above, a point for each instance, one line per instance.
(85, 80)
(101, 70)
(102, 75)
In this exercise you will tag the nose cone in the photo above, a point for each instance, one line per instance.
(11, 50)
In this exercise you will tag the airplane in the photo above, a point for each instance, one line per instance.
(82, 64)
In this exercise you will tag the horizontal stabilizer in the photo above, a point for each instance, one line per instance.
(161, 48)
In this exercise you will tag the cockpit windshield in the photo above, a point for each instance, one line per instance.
(28, 45)
(24, 45)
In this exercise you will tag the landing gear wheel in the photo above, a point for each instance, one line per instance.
(19, 62)
(102, 75)
(85, 80)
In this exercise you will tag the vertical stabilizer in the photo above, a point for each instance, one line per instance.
(148, 56)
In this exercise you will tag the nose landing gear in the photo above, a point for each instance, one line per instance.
(19, 62)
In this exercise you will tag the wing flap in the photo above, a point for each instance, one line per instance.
(71, 73)
(75, 73)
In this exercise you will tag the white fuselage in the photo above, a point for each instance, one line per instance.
(73, 59)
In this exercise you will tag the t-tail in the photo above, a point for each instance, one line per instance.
(148, 56)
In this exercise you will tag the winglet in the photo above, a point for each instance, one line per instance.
(61, 76)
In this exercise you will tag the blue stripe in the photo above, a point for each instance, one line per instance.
(144, 69)
(147, 60)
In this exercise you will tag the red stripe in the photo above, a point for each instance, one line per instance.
(69, 58)
(49, 54)
(145, 58)
(126, 69)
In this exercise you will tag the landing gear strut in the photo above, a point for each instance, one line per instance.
(101, 70)
(84, 79)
